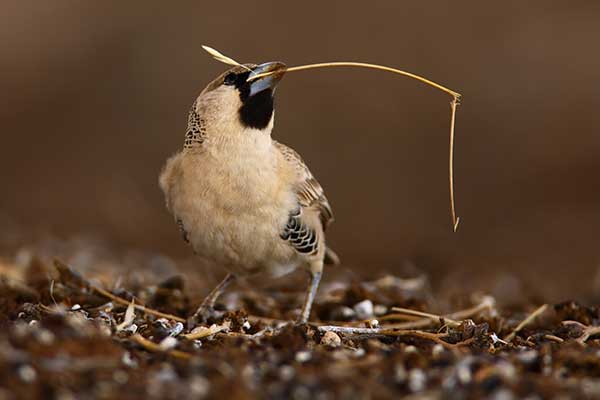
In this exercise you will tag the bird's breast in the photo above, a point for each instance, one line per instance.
(234, 206)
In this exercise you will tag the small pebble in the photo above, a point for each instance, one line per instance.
(199, 386)
(120, 376)
(411, 349)
(527, 356)
(347, 312)
(416, 380)
(303, 356)
(168, 343)
(76, 307)
(380, 309)
(45, 336)
(360, 352)
(177, 329)
(437, 350)
(27, 373)
(286, 372)
(364, 309)
(503, 394)
(331, 339)
(128, 360)
(464, 373)
(246, 325)
(400, 373)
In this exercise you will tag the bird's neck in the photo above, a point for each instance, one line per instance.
(241, 144)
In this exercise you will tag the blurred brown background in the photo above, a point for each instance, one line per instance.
(95, 95)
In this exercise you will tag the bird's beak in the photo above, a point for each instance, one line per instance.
(266, 82)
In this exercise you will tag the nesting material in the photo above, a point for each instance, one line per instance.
(456, 98)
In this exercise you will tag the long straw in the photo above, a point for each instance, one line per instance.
(453, 104)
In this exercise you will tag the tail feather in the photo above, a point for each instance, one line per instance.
(330, 257)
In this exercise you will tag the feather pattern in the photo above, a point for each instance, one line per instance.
(300, 235)
(308, 190)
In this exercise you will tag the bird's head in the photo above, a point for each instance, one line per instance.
(234, 103)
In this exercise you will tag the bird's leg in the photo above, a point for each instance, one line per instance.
(206, 308)
(311, 291)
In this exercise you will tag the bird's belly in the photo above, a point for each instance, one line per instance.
(237, 224)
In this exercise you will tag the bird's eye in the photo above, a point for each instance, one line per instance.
(230, 79)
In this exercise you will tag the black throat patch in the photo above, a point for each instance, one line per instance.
(257, 110)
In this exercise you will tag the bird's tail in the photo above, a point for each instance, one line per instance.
(330, 257)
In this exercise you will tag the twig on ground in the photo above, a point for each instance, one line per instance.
(435, 337)
(554, 338)
(487, 303)
(508, 338)
(588, 331)
(144, 309)
(64, 268)
(434, 317)
(153, 347)
(202, 332)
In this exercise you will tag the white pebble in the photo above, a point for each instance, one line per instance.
(128, 360)
(27, 373)
(199, 386)
(400, 374)
(437, 350)
(380, 309)
(416, 380)
(286, 372)
(360, 352)
(527, 356)
(364, 309)
(246, 325)
(411, 349)
(303, 356)
(347, 312)
(168, 343)
(177, 329)
(45, 336)
(463, 371)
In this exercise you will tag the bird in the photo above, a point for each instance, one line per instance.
(242, 200)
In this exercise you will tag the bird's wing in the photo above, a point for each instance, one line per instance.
(308, 190)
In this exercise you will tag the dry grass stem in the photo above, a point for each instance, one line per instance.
(416, 313)
(223, 58)
(588, 331)
(452, 93)
(455, 220)
(153, 347)
(526, 322)
(202, 332)
(486, 304)
(141, 308)
(455, 101)
(64, 267)
(554, 338)
(435, 337)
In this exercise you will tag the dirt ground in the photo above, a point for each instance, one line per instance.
(87, 330)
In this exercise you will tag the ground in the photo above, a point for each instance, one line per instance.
(84, 329)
